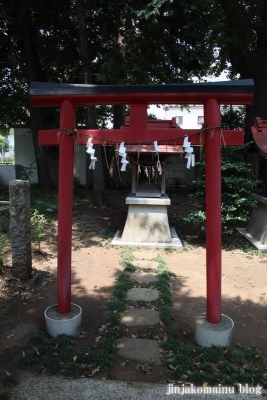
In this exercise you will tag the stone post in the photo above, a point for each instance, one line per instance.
(20, 228)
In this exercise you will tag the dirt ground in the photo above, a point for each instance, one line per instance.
(94, 270)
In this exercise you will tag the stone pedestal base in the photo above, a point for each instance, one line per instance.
(256, 231)
(147, 224)
(207, 334)
(147, 220)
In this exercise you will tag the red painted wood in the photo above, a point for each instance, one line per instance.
(259, 132)
(213, 211)
(111, 136)
(148, 98)
(154, 123)
(65, 188)
(138, 121)
(150, 148)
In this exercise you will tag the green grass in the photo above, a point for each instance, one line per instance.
(4, 396)
(225, 365)
(5, 240)
(9, 381)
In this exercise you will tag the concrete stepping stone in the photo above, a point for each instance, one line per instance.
(142, 294)
(144, 277)
(144, 350)
(146, 264)
(144, 255)
(140, 316)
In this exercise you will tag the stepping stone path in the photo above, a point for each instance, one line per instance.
(144, 350)
(144, 255)
(146, 264)
(143, 277)
(143, 316)
(142, 294)
(140, 349)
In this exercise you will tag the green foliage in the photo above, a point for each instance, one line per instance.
(38, 222)
(45, 202)
(233, 118)
(117, 33)
(4, 144)
(9, 381)
(25, 173)
(237, 202)
(4, 236)
(214, 364)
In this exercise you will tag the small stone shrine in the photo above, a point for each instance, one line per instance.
(147, 221)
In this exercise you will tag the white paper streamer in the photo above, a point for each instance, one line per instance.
(124, 163)
(122, 149)
(186, 143)
(92, 163)
(89, 141)
(158, 165)
(157, 148)
(123, 154)
(189, 153)
(91, 151)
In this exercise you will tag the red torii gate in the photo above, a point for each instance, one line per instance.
(68, 96)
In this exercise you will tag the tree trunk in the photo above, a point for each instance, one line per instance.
(99, 196)
(114, 175)
(255, 68)
(41, 118)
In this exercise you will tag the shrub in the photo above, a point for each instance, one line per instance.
(236, 189)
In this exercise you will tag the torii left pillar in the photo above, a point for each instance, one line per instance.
(65, 196)
(55, 322)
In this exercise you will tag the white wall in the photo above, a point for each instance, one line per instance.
(190, 117)
(24, 151)
(7, 173)
(25, 155)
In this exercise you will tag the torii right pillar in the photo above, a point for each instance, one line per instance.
(213, 328)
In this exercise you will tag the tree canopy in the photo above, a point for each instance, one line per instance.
(118, 42)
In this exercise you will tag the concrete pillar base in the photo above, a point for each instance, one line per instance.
(63, 324)
(208, 334)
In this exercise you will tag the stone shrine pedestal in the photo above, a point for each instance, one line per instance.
(147, 224)
(256, 229)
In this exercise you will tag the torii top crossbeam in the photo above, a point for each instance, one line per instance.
(68, 96)
(138, 97)
(229, 92)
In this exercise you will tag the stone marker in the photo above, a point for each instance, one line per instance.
(142, 294)
(140, 316)
(20, 228)
(143, 277)
(145, 264)
(144, 350)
